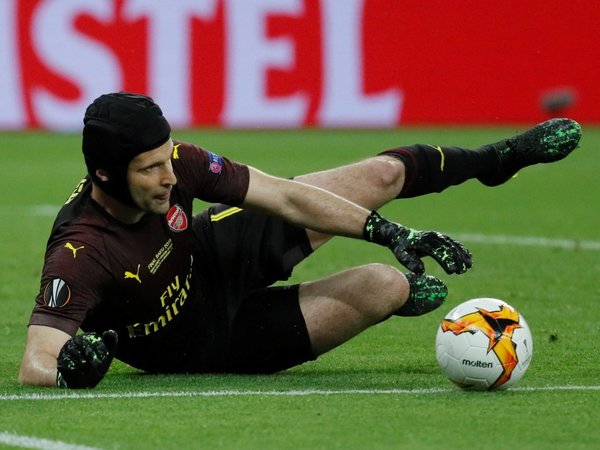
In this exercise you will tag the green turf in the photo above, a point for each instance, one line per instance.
(556, 289)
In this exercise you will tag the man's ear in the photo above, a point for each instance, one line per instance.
(102, 174)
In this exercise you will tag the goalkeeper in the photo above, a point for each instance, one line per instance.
(131, 273)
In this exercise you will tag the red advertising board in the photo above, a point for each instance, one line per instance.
(295, 63)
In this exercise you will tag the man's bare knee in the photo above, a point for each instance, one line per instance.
(386, 291)
(388, 173)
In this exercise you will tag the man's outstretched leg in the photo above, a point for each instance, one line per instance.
(434, 168)
(339, 307)
(280, 327)
(422, 169)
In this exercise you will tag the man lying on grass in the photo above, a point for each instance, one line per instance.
(166, 291)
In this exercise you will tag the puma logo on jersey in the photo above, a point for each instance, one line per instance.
(135, 276)
(73, 249)
(176, 151)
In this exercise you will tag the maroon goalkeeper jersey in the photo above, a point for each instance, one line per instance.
(136, 279)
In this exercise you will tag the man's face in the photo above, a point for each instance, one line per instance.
(151, 178)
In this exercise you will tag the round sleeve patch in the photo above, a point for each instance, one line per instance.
(57, 293)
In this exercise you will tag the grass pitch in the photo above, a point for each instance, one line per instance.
(536, 244)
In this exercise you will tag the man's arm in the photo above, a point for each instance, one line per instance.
(314, 208)
(53, 358)
(304, 205)
(38, 366)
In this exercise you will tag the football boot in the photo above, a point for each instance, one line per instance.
(547, 142)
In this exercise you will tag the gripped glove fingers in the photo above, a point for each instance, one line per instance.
(409, 245)
(84, 359)
(450, 254)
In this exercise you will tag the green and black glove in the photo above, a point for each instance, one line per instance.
(409, 245)
(84, 359)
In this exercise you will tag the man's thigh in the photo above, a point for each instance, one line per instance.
(269, 333)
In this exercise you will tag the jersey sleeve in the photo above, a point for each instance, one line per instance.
(210, 177)
(72, 284)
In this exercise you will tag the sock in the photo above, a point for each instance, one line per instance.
(433, 168)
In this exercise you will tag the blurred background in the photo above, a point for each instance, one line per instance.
(302, 63)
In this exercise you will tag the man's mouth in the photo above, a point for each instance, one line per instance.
(163, 197)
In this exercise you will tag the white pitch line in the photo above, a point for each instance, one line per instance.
(22, 441)
(30, 210)
(244, 393)
(478, 238)
(527, 241)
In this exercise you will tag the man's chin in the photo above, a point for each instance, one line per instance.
(162, 208)
(157, 207)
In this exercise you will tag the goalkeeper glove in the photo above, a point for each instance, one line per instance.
(84, 359)
(409, 245)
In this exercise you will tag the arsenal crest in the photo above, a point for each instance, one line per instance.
(177, 219)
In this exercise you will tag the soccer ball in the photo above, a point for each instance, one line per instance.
(484, 344)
